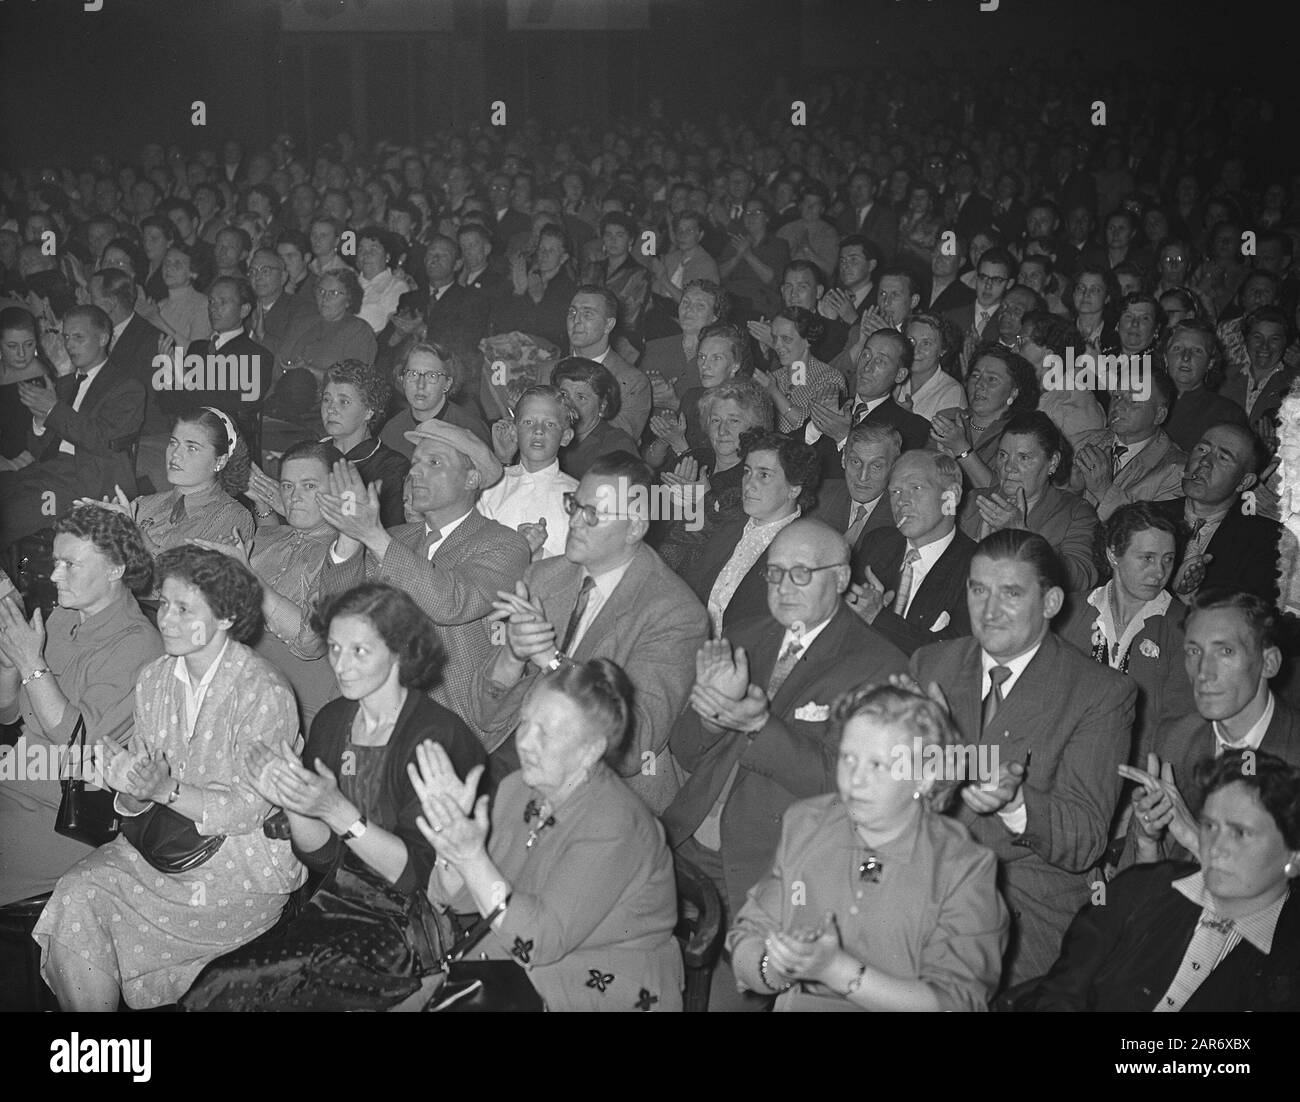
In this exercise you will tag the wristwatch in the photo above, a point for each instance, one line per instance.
(355, 831)
(40, 671)
(556, 662)
(174, 795)
(963, 455)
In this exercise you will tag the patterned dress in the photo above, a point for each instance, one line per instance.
(593, 901)
(153, 931)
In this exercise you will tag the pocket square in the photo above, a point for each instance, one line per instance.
(942, 622)
(813, 713)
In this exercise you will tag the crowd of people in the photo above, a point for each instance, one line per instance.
(582, 506)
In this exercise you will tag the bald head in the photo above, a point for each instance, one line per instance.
(820, 549)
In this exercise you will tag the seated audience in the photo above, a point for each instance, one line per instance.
(915, 921)
(670, 362)
(198, 709)
(858, 504)
(608, 596)
(575, 877)
(1172, 937)
(361, 943)
(1062, 726)
(1260, 389)
(79, 664)
(1029, 460)
(754, 737)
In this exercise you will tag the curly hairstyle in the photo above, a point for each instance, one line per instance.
(604, 693)
(452, 364)
(114, 536)
(721, 299)
(349, 282)
(229, 587)
(367, 382)
(233, 477)
(808, 323)
(799, 463)
(576, 369)
(1128, 520)
(916, 717)
(405, 630)
(1274, 782)
(739, 342)
(1023, 376)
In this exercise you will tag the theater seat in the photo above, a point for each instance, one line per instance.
(20, 958)
(699, 929)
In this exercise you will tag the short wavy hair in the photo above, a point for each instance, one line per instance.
(915, 715)
(799, 463)
(747, 394)
(229, 587)
(721, 299)
(114, 536)
(602, 691)
(350, 283)
(399, 622)
(739, 342)
(1128, 520)
(1272, 780)
(366, 381)
(576, 369)
(1023, 376)
(452, 363)
(807, 323)
(233, 477)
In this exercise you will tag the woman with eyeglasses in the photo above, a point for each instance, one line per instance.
(876, 900)
(779, 483)
(753, 260)
(429, 375)
(593, 395)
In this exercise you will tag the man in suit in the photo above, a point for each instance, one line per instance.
(1229, 545)
(994, 275)
(82, 429)
(912, 585)
(506, 221)
(870, 216)
(608, 596)
(1133, 459)
(886, 360)
(1261, 389)
(857, 504)
(480, 269)
(592, 315)
(452, 561)
(1231, 652)
(947, 292)
(455, 317)
(967, 209)
(275, 311)
(1061, 725)
(756, 736)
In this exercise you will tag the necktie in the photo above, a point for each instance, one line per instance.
(1117, 454)
(782, 669)
(432, 538)
(584, 595)
(259, 324)
(858, 523)
(1203, 952)
(905, 581)
(1196, 533)
(178, 510)
(993, 701)
(736, 211)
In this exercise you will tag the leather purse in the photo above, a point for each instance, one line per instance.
(89, 817)
(168, 840)
(482, 986)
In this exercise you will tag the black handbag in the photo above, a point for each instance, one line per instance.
(89, 817)
(482, 986)
(168, 840)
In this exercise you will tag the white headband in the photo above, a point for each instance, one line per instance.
(228, 425)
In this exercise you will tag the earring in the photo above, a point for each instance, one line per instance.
(1290, 870)
(917, 794)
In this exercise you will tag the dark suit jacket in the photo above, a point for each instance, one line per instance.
(792, 758)
(953, 297)
(1123, 955)
(1077, 718)
(280, 318)
(835, 507)
(1062, 518)
(133, 354)
(976, 213)
(652, 626)
(940, 599)
(102, 431)
(880, 227)
(1269, 400)
(912, 427)
(1196, 411)
(508, 226)
(1190, 740)
(1245, 550)
(459, 319)
(750, 597)
(963, 317)
(230, 400)
(455, 591)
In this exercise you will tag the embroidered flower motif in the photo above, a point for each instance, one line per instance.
(1149, 649)
(523, 949)
(599, 980)
(645, 1000)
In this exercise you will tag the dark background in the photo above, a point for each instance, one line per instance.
(71, 80)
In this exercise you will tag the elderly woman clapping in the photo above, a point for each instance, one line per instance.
(577, 877)
(876, 901)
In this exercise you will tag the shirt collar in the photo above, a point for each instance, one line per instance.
(1099, 598)
(933, 551)
(94, 371)
(807, 639)
(226, 337)
(182, 672)
(1015, 665)
(772, 526)
(449, 529)
(106, 616)
(1257, 928)
(1214, 518)
(1253, 737)
(550, 471)
(609, 580)
(120, 328)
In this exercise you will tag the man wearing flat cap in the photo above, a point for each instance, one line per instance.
(452, 560)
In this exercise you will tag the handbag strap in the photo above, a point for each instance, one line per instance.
(476, 933)
(78, 736)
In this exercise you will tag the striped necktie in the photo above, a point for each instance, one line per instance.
(783, 666)
(912, 557)
(993, 701)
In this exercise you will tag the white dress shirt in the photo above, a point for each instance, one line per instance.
(930, 554)
(78, 398)
(194, 694)
(601, 591)
(939, 392)
(1014, 821)
(1252, 738)
(858, 408)
(521, 497)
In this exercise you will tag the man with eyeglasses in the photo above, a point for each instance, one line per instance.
(755, 734)
(608, 596)
(993, 278)
(275, 311)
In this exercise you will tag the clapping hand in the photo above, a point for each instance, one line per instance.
(949, 430)
(805, 954)
(265, 491)
(314, 795)
(670, 429)
(264, 766)
(141, 776)
(1006, 794)
(750, 713)
(1095, 468)
(829, 420)
(997, 512)
(351, 507)
(662, 394)
(868, 598)
(1191, 574)
(237, 549)
(38, 398)
(535, 534)
(761, 331)
(1158, 805)
(22, 643)
(447, 803)
(529, 635)
(505, 440)
(723, 669)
